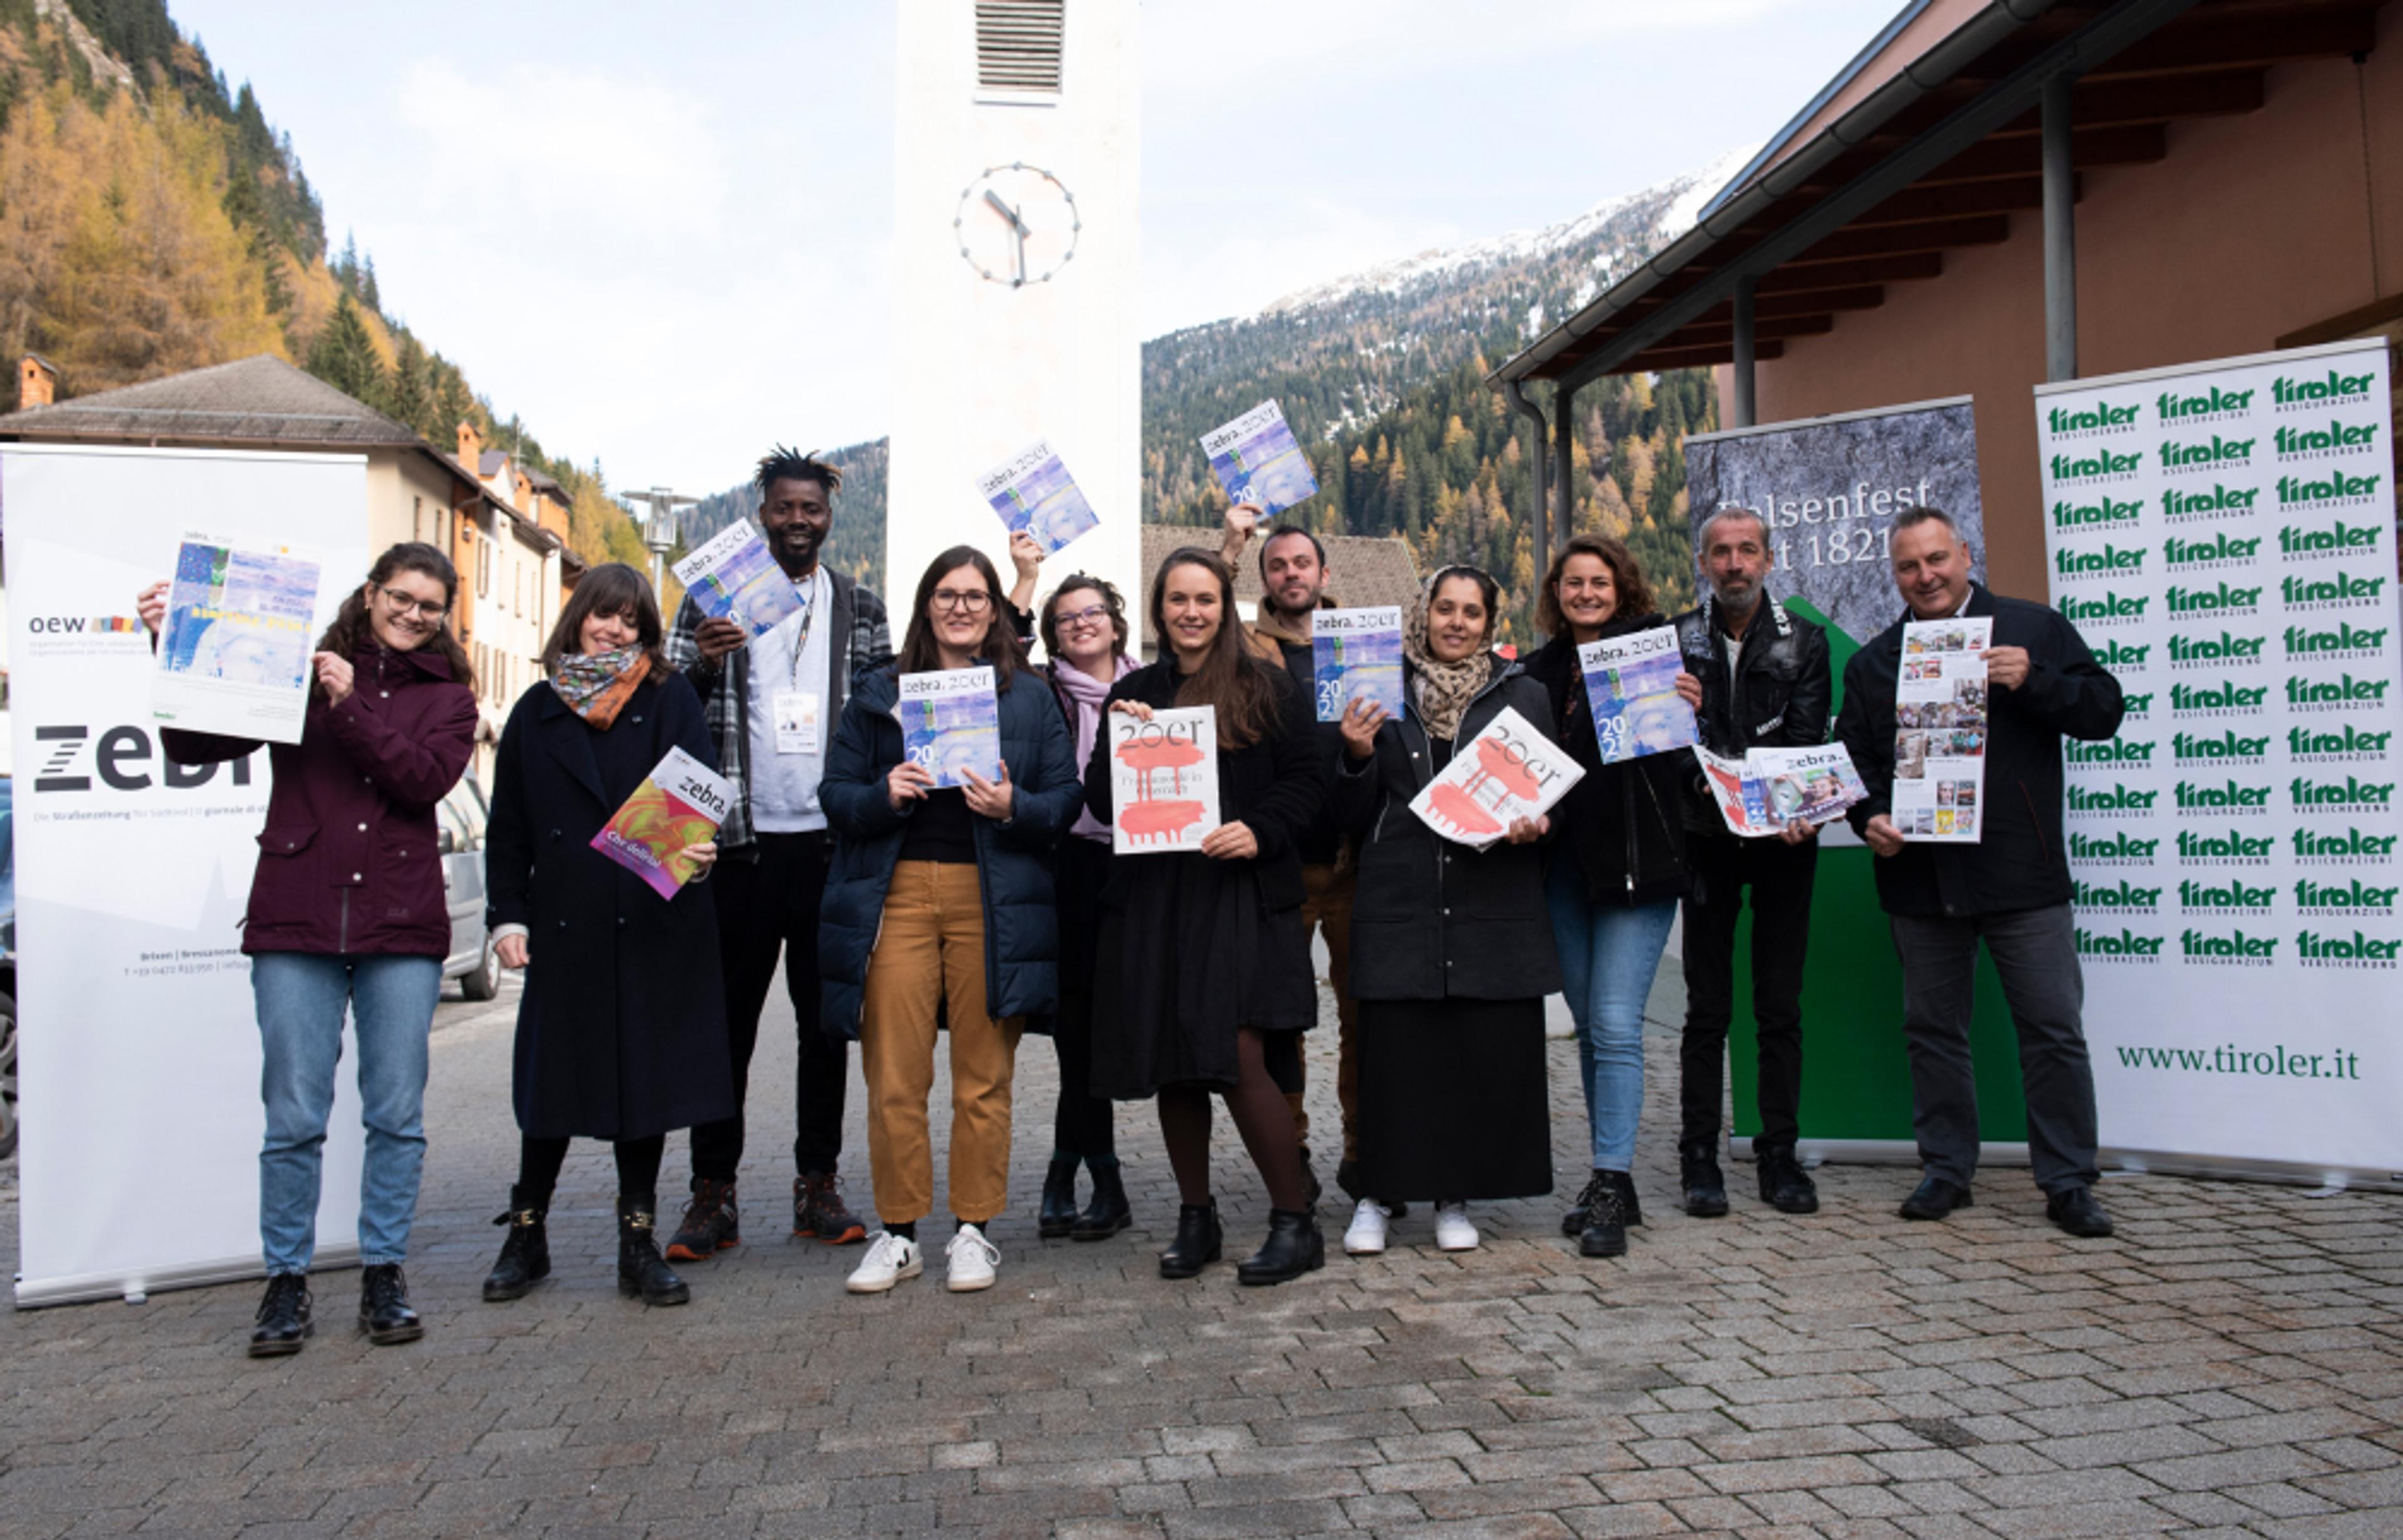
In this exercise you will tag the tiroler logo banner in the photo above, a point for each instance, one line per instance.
(2223, 535)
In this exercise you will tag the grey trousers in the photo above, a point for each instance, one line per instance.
(2035, 953)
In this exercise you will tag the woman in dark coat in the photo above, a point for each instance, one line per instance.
(347, 912)
(1451, 949)
(1617, 875)
(939, 899)
(622, 1034)
(1202, 954)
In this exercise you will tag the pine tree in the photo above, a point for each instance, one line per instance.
(344, 355)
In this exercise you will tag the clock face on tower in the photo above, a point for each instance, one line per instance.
(1017, 225)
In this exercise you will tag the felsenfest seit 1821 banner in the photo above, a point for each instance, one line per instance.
(2223, 537)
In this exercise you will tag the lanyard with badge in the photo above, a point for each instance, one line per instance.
(799, 711)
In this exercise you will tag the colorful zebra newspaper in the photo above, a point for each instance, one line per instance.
(235, 647)
(1033, 491)
(733, 577)
(1255, 459)
(1505, 772)
(951, 723)
(1760, 794)
(1941, 726)
(1163, 780)
(678, 805)
(1735, 788)
(1631, 684)
(1357, 654)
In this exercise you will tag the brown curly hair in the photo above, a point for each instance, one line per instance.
(1626, 577)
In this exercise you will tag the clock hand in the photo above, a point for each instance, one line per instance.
(1006, 212)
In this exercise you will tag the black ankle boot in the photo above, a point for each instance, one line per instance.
(1110, 1212)
(525, 1256)
(1058, 1216)
(1698, 1173)
(1294, 1247)
(641, 1269)
(1198, 1241)
(283, 1320)
(1625, 1182)
(385, 1314)
(1783, 1186)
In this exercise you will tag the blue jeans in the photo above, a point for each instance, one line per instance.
(1608, 955)
(302, 997)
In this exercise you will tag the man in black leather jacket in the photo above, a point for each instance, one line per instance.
(1766, 684)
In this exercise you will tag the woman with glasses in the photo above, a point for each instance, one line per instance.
(941, 896)
(347, 914)
(1084, 628)
(621, 1033)
(1452, 947)
(1203, 960)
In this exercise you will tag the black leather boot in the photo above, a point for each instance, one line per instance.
(385, 1314)
(1628, 1207)
(1294, 1247)
(525, 1254)
(1783, 1186)
(1110, 1212)
(283, 1324)
(641, 1269)
(1705, 1187)
(1573, 1222)
(1605, 1224)
(1198, 1241)
(1058, 1216)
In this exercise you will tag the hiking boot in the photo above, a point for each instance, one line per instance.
(284, 1322)
(525, 1254)
(385, 1314)
(1698, 1166)
(1058, 1216)
(712, 1223)
(641, 1269)
(1783, 1186)
(819, 1211)
(1605, 1224)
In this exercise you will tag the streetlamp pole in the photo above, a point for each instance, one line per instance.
(660, 531)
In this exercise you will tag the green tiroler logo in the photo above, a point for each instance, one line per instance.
(2116, 654)
(2227, 648)
(2230, 945)
(2352, 792)
(2122, 895)
(2120, 798)
(2225, 599)
(2352, 845)
(2234, 846)
(2219, 451)
(2220, 499)
(2336, 438)
(2343, 588)
(2220, 547)
(2103, 416)
(2224, 697)
(2122, 846)
(2087, 467)
(2345, 640)
(2342, 742)
(2111, 751)
(2342, 692)
(2192, 748)
(2234, 894)
(2111, 561)
(2301, 493)
(2174, 407)
(2126, 944)
(2227, 796)
(2331, 388)
(2103, 510)
(2111, 607)
(2337, 897)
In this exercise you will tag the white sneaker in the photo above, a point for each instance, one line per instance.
(1452, 1230)
(972, 1260)
(1367, 1235)
(890, 1260)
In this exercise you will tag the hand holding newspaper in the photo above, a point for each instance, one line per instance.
(1767, 789)
(1255, 459)
(733, 577)
(678, 806)
(1357, 655)
(1507, 773)
(951, 723)
(234, 645)
(1631, 684)
(1941, 727)
(1032, 491)
(1163, 780)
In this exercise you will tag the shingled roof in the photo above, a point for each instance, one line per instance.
(1366, 569)
(260, 400)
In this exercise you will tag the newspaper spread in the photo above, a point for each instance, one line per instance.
(1033, 491)
(234, 648)
(1940, 724)
(951, 723)
(1507, 771)
(678, 806)
(1735, 788)
(1631, 683)
(1357, 654)
(733, 577)
(1255, 459)
(1163, 780)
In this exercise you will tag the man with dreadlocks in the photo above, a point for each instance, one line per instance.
(772, 700)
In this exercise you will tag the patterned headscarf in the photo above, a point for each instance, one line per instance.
(596, 686)
(1443, 690)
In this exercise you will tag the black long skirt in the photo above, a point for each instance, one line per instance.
(1453, 1100)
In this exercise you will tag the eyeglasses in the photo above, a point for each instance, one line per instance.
(407, 604)
(949, 600)
(1092, 615)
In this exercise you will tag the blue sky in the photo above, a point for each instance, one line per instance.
(660, 234)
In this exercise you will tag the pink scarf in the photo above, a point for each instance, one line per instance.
(1085, 693)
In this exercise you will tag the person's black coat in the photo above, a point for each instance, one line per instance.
(621, 1033)
(2020, 862)
(1431, 918)
(1275, 786)
(1779, 698)
(1623, 824)
(1021, 921)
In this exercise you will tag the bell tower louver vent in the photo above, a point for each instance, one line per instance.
(1018, 46)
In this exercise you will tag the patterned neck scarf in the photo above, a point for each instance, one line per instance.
(1442, 691)
(597, 686)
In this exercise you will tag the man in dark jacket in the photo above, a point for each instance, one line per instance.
(773, 701)
(1765, 685)
(2011, 890)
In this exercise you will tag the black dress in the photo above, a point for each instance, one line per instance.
(1191, 949)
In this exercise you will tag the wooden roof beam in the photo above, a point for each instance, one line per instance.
(2200, 41)
(1825, 302)
(1999, 155)
(1918, 205)
(1655, 360)
(1935, 235)
(1700, 335)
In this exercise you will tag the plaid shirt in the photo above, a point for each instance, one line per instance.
(724, 686)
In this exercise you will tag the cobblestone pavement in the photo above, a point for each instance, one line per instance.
(2231, 1366)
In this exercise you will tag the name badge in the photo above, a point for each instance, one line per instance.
(798, 713)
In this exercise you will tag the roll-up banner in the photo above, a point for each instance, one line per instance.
(1828, 488)
(139, 1050)
(2223, 535)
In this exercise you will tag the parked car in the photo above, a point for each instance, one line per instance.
(460, 819)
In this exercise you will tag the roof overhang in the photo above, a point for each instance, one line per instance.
(1937, 159)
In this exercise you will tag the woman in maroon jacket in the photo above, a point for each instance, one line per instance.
(347, 910)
